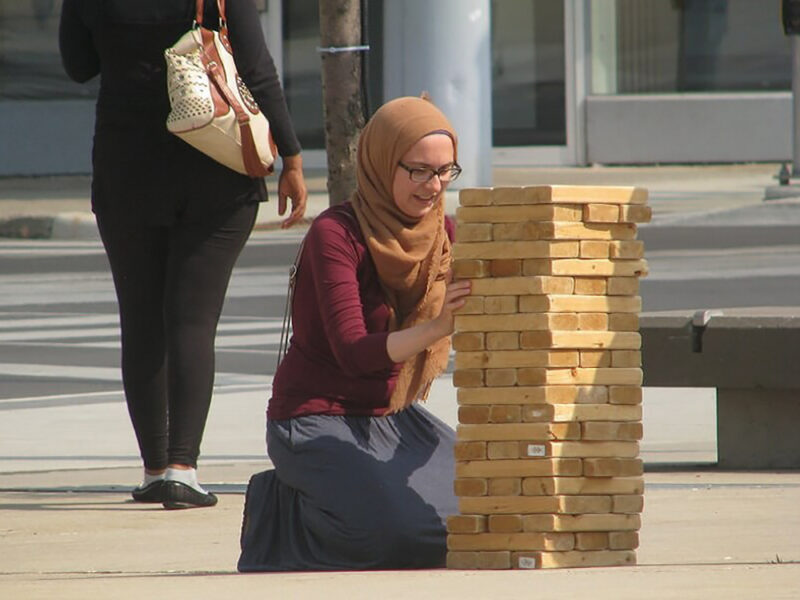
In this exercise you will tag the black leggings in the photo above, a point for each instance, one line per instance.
(171, 283)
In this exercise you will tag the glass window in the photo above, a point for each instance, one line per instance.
(302, 76)
(528, 87)
(30, 65)
(657, 46)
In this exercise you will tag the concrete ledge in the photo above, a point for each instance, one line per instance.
(750, 357)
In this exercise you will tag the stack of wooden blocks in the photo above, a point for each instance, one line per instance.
(548, 371)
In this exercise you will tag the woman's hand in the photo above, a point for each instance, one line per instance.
(454, 298)
(291, 184)
(405, 343)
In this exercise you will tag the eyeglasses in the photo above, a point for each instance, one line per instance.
(425, 174)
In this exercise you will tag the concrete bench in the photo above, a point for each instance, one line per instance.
(752, 357)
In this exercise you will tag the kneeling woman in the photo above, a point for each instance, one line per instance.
(363, 475)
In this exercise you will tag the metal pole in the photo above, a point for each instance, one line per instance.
(795, 106)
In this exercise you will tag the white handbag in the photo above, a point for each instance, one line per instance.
(211, 107)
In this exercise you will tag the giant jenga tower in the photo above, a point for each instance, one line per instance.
(548, 371)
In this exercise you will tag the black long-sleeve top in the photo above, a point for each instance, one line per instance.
(140, 170)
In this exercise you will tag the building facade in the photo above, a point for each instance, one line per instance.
(573, 82)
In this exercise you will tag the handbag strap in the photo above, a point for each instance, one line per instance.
(199, 9)
(286, 326)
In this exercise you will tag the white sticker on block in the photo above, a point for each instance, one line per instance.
(527, 562)
(536, 450)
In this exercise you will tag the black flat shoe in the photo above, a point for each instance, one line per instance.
(152, 492)
(179, 495)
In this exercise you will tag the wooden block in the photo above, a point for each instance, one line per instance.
(473, 232)
(623, 286)
(494, 560)
(622, 449)
(610, 430)
(505, 486)
(589, 340)
(462, 560)
(504, 413)
(595, 358)
(507, 250)
(627, 504)
(525, 560)
(591, 540)
(473, 414)
(471, 268)
(558, 394)
(469, 340)
(511, 541)
(507, 232)
(590, 286)
(500, 377)
(505, 286)
(502, 450)
(581, 486)
(584, 231)
(601, 213)
(580, 303)
(595, 412)
(631, 249)
(626, 358)
(565, 321)
(584, 194)
(466, 524)
(582, 522)
(488, 323)
(475, 196)
(499, 432)
(505, 267)
(635, 214)
(623, 321)
(497, 505)
(513, 214)
(505, 523)
(539, 486)
(623, 540)
(511, 195)
(578, 376)
(612, 467)
(593, 321)
(470, 450)
(587, 558)
(536, 413)
(594, 249)
(473, 305)
(468, 378)
(502, 340)
(470, 486)
(500, 359)
(584, 504)
(566, 467)
(580, 266)
(625, 394)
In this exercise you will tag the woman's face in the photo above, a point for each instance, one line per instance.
(431, 152)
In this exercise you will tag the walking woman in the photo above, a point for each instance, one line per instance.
(172, 220)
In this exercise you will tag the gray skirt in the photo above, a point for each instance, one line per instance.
(351, 493)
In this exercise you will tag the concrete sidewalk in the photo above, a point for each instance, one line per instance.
(69, 529)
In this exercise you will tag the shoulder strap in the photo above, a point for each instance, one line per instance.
(286, 326)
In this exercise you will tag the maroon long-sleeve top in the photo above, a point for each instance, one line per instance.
(337, 361)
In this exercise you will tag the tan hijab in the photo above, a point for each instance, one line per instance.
(412, 256)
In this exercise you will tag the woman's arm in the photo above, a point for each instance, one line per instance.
(331, 260)
(78, 54)
(402, 345)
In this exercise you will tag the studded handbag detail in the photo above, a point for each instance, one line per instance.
(210, 106)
